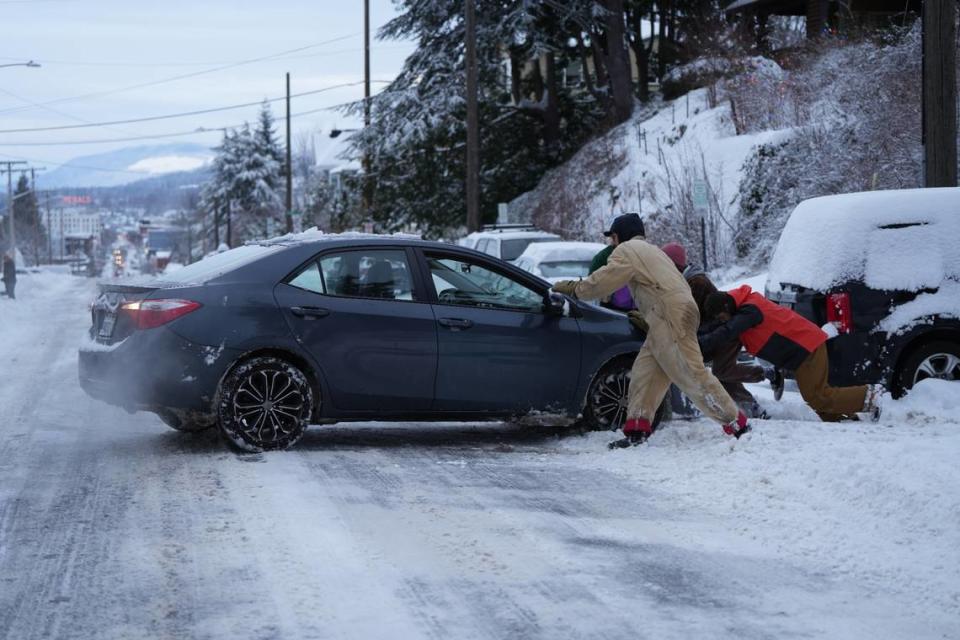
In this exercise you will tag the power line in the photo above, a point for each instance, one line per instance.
(138, 65)
(139, 173)
(192, 132)
(183, 114)
(98, 94)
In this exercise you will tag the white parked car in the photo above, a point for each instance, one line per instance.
(555, 261)
(506, 242)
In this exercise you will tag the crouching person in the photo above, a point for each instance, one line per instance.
(788, 341)
(670, 352)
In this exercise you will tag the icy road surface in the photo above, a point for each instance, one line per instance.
(114, 526)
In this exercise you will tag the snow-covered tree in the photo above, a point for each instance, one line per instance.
(244, 196)
(30, 232)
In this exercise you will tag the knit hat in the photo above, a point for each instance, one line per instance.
(677, 253)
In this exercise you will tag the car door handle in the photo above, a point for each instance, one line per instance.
(456, 323)
(309, 312)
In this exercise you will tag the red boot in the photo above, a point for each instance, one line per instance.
(636, 430)
(738, 427)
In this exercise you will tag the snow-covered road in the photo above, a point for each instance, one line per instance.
(115, 526)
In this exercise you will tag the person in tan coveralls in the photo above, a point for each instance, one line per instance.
(671, 351)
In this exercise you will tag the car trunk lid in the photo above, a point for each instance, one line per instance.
(109, 326)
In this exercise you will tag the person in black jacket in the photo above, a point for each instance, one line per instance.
(9, 275)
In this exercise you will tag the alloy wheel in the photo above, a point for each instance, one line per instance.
(942, 366)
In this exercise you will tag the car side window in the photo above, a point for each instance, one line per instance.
(372, 273)
(462, 282)
(309, 279)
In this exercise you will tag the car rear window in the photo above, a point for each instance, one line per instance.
(511, 249)
(216, 265)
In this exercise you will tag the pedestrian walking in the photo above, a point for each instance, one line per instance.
(9, 275)
(670, 351)
(787, 340)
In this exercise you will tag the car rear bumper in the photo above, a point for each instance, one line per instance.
(151, 369)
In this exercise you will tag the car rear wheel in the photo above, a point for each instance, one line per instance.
(264, 403)
(939, 360)
(608, 398)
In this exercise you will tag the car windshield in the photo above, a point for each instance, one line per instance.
(510, 250)
(565, 269)
(216, 265)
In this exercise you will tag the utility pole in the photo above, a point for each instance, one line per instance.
(939, 93)
(366, 186)
(9, 171)
(473, 132)
(49, 235)
(36, 213)
(289, 165)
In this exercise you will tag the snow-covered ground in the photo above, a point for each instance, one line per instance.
(114, 526)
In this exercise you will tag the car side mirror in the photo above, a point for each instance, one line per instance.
(555, 304)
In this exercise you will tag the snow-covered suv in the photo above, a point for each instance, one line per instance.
(884, 268)
(506, 242)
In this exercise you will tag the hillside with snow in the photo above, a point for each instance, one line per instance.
(652, 163)
(127, 165)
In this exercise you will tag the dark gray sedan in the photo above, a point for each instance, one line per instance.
(267, 338)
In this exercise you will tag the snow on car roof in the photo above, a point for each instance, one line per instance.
(511, 235)
(904, 239)
(560, 251)
(314, 234)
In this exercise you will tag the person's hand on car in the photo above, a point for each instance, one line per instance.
(636, 319)
(566, 287)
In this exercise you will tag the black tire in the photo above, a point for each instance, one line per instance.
(184, 424)
(264, 403)
(605, 413)
(938, 359)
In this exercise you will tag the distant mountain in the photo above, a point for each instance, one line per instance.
(130, 164)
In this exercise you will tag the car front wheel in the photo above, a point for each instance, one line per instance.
(608, 398)
(264, 403)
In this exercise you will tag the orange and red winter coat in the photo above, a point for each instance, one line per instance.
(779, 335)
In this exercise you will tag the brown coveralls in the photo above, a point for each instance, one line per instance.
(671, 351)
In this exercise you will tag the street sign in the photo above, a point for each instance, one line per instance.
(701, 203)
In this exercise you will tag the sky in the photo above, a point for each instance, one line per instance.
(94, 54)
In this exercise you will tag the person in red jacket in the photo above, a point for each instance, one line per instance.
(787, 340)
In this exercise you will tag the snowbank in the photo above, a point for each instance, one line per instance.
(874, 236)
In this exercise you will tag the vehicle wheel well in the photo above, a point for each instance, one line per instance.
(626, 357)
(293, 359)
(935, 335)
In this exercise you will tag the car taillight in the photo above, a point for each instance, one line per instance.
(838, 312)
(148, 314)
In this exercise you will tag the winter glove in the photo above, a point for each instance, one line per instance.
(636, 319)
(831, 330)
(566, 287)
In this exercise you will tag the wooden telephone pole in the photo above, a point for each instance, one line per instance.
(939, 93)
(473, 126)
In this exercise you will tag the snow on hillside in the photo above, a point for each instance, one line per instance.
(168, 164)
(126, 165)
(650, 163)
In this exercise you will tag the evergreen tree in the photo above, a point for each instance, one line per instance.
(31, 236)
(243, 197)
(529, 120)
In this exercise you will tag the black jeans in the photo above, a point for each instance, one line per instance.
(10, 284)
